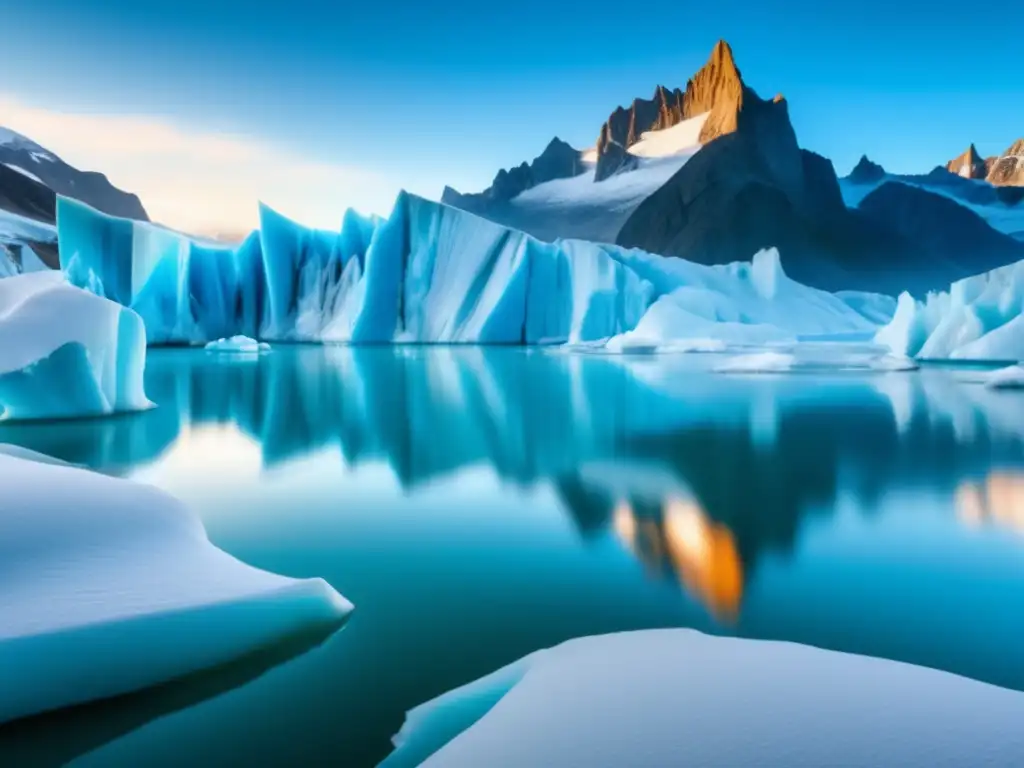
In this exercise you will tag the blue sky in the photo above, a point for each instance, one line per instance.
(426, 93)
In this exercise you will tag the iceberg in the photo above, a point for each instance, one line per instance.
(679, 697)
(65, 352)
(432, 274)
(109, 587)
(1006, 378)
(980, 318)
(238, 345)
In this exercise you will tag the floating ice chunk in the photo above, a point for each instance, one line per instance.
(679, 697)
(979, 318)
(1006, 378)
(761, 362)
(65, 352)
(238, 344)
(633, 343)
(109, 587)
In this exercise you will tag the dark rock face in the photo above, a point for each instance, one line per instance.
(1008, 169)
(866, 172)
(88, 186)
(559, 160)
(969, 165)
(727, 203)
(821, 187)
(26, 197)
(949, 233)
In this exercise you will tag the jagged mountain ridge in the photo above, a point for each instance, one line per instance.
(1006, 169)
(969, 165)
(747, 185)
(20, 155)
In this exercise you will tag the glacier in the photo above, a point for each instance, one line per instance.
(980, 318)
(109, 586)
(66, 352)
(431, 274)
(677, 696)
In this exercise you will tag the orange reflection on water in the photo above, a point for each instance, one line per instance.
(999, 500)
(701, 552)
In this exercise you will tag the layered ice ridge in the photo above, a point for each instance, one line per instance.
(430, 274)
(978, 319)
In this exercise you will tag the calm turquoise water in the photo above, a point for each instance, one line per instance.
(479, 504)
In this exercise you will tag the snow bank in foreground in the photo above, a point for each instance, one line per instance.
(108, 586)
(1007, 378)
(979, 318)
(65, 352)
(432, 274)
(238, 344)
(678, 697)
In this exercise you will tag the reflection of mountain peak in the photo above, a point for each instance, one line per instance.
(681, 538)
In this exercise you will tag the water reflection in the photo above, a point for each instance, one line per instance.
(998, 500)
(527, 498)
(678, 536)
(698, 474)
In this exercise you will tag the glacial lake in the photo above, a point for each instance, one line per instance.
(478, 504)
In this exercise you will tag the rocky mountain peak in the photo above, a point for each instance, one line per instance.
(969, 165)
(716, 88)
(866, 172)
(1008, 168)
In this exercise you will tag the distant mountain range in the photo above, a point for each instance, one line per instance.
(31, 177)
(21, 155)
(712, 173)
(1004, 169)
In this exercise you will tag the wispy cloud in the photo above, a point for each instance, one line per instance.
(201, 182)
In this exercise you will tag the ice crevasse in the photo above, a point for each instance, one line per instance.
(979, 318)
(430, 273)
(66, 352)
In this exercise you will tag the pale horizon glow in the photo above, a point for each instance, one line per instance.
(200, 182)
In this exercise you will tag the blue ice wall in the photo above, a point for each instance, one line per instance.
(429, 273)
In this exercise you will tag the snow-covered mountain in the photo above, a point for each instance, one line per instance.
(1001, 207)
(714, 173)
(20, 156)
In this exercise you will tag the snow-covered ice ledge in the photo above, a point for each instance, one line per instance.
(108, 587)
(65, 352)
(679, 697)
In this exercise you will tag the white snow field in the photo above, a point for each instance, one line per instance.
(679, 697)
(434, 274)
(980, 318)
(108, 586)
(681, 138)
(238, 345)
(65, 352)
